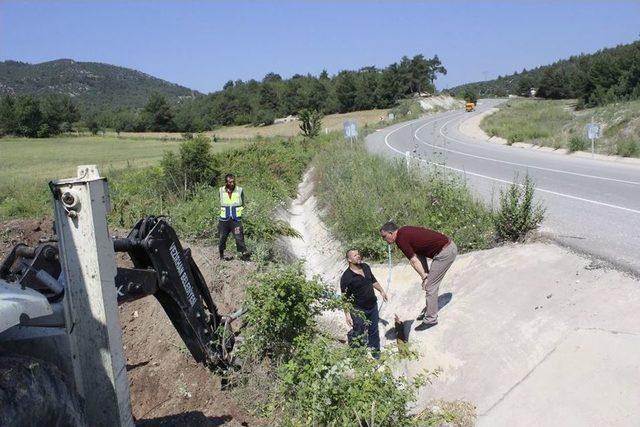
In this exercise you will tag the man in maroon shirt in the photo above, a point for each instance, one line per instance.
(418, 244)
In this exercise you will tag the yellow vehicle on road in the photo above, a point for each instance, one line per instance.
(469, 107)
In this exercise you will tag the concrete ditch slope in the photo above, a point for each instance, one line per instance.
(531, 334)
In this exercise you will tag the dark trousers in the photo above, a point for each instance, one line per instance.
(231, 226)
(357, 335)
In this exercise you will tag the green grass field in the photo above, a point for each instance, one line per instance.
(557, 124)
(26, 165)
(52, 158)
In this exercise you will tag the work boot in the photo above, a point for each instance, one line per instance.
(422, 314)
(246, 256)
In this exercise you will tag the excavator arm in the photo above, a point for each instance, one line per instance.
(162, 268)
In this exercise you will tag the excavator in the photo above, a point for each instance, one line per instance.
(60, 343)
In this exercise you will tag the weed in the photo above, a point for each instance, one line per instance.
(454, 414)
(407, 108)
(305, 378)
(183, 391)
(518, 214)
(552, 123)
(181, 347)
(280, 308)
(577, 143)
(627, 147)
(326, 383)
(361, 191)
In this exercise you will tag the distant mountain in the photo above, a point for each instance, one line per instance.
(95, 86)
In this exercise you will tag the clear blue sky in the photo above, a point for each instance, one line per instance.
(201, 44)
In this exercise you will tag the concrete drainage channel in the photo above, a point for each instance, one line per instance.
(530, 334)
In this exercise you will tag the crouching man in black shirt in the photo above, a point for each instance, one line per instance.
(357, 284)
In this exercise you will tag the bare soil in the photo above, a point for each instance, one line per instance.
(27, 231)
(167, 386)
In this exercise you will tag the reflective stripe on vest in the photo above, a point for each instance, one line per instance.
(231, 207)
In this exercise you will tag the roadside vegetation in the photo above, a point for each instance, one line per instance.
(291, 373)
(518, 214)
(184, 187)
(557, 124)
(361, 191)
(528, 120)
(294, 375)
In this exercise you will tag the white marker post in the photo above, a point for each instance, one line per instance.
(91, 310)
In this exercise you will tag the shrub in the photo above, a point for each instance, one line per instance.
(470, 96)
(627, 148)
(281, 307)
(407, 107)
(135, 194)
(306, 378)
(264, 117)
(325, 383)
(577, 143)
(92, 124)
(310, 123)
(193, 166)
(44, 131)
(518, 214)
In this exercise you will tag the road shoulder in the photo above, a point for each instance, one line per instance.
(470, 127)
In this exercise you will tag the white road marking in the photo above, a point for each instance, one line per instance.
(542, 190)
(507, 162)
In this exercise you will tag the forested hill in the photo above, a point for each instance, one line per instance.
(609, 75)
(93, 85)
(46, 99)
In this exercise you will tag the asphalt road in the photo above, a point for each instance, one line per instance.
(592, 205)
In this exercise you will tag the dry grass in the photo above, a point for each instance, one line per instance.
(452, 414)
(331, 122)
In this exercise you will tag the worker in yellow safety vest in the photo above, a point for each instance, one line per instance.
(231, 208)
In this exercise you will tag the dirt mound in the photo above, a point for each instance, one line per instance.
(167, 386)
